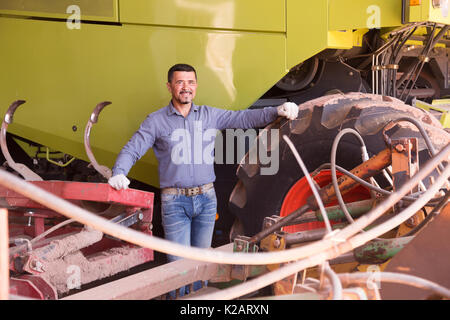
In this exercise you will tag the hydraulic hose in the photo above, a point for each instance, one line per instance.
(333, 168)
(333, 252)
(335, 282)
(310, 182)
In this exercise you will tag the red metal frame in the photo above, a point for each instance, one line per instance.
(300, 192)
(104, 254)
(69, 190)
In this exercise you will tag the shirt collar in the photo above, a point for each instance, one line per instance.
(171, 109)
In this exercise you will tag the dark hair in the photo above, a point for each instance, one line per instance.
(180, 67)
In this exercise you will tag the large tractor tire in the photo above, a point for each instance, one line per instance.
(257, 196)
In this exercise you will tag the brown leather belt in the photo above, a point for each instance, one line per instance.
(188, 191)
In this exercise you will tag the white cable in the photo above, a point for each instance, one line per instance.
(144, 240)
(310, 182)
(395, 277)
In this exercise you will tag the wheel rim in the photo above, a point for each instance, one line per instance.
(300, 192)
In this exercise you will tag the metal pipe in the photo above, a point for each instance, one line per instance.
(281, 223)
(368, 185)
(373, 252)
(394, 277)
(72, 243)
(355, 209)
(365, 170)
(20, 247)
(304, 236)
(68, 209)
(379, 251)
(62, 165)
(4, 256)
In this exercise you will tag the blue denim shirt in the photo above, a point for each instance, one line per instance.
(173, 139)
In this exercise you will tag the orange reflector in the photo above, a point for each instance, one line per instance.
(415, 2)
(217, 216)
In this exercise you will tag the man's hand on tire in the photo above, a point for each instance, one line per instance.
(288, 110)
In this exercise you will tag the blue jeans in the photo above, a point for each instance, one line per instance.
(189, 221)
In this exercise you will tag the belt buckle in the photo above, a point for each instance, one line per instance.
(193, 191)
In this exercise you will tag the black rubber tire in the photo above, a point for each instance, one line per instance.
(257, 196)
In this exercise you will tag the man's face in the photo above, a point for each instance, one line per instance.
(183, 87)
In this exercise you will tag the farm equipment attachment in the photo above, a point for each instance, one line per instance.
(50, 254)
(345, 234)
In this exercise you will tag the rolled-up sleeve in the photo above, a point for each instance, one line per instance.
(245, 119)
(142, 140)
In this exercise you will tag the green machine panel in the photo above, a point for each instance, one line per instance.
(63, 74)
(261, 15)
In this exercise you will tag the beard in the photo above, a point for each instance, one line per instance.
(185, 99)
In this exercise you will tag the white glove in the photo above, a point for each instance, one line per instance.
(288, 110)
(119, 182)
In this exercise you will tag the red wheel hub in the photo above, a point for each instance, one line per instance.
(300, 192)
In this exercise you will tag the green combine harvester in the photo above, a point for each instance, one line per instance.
(347, 64)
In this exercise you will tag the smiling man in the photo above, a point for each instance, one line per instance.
(188, 199)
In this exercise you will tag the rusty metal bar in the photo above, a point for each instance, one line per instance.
(282, 222)
(394, 277)
(103, 170)
(364, 171)
(309, 235)
(379, 251)
(356, 209)
(20, 168)
(4, 256)
(158, 281)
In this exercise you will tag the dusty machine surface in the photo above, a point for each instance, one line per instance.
(348, 201)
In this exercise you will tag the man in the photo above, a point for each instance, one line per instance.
(188, 199)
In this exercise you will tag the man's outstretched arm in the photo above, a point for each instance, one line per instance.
(255, 118)
(137, 146)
